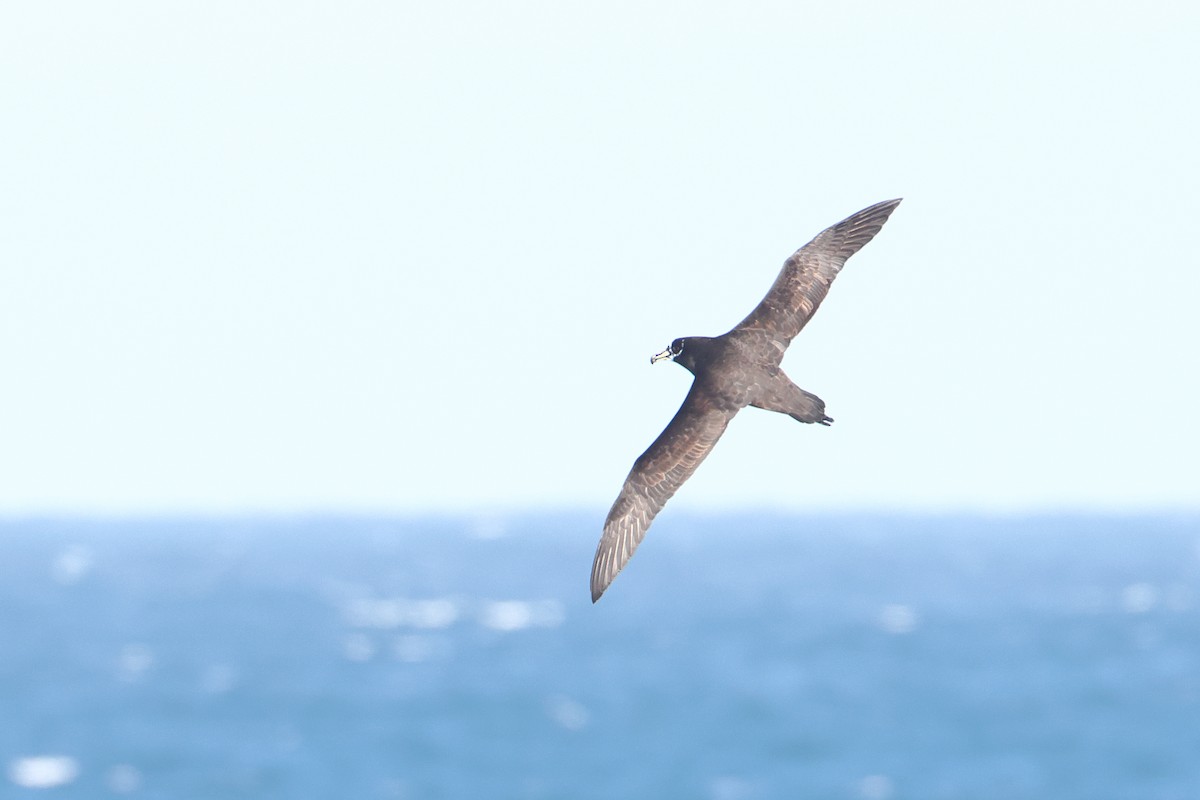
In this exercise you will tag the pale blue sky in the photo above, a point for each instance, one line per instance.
(413, 256)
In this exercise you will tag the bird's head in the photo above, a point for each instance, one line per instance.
(672, 352)
(691, 353)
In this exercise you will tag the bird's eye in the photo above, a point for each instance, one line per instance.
(677, 346)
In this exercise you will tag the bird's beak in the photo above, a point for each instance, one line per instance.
(660, 356)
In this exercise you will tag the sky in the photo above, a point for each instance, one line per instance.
(413, 257)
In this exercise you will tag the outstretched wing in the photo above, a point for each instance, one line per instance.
(805, 278)
(655, 476)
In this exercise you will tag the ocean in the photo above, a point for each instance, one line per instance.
(737, 657)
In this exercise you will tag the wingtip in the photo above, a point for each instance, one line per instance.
(883, 205)
(598, 585)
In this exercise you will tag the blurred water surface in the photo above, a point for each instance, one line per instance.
(738, 657)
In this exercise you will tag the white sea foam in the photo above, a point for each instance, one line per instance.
(568, 713)
(1138, 598)
(898, 619)
(396, 612)
(124, 778)
(515, 615)
(436, 613)
(72, 565)
(507, 615)
(43, 772)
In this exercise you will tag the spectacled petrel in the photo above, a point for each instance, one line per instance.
(734, 370)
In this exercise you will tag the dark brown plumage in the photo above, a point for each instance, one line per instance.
(732, 371)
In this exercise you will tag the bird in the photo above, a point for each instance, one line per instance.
(736, 369)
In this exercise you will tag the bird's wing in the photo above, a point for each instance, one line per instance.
(655, 476)
(805, 278)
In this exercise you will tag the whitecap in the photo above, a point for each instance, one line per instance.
(394, 612)
(124, 778)
(515, 615)
(567, 713)
(1138, 598)
(437, 613)
(507, 615)
(72, 565)
(43, 772)
(898, 619)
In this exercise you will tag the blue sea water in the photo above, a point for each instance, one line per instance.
(738, 657)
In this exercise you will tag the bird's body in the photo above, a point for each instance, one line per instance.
(737, 369)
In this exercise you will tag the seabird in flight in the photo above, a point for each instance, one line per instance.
(734, 370)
